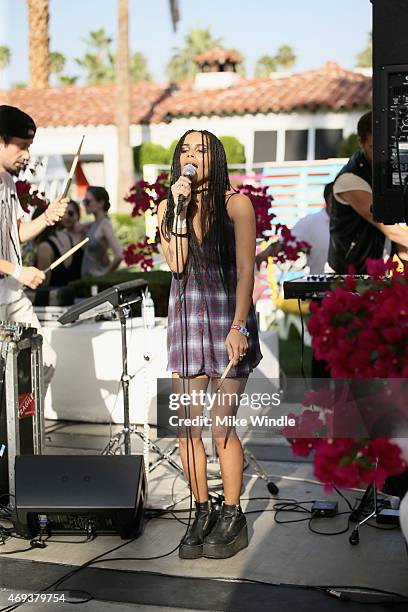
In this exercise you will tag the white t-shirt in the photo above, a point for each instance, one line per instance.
(349, 182)
(10, 213)
(315, 230)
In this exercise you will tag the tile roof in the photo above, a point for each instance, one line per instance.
(330, 88)
(93, 105)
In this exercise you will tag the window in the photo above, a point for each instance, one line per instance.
(295, 145)
(265, 146)
(327, 143)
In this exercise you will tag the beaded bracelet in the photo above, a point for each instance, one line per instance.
(241, 329)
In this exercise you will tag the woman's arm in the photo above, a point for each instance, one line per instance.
(241, 212)
(169, 246)
(54, 212)
(114, 244)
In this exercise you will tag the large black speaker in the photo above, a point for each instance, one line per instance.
(71, 494)
(390, 110)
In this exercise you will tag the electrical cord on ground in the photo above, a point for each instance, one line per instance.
(329, 533)
(293, 506)
(93, 561)
(344, 497)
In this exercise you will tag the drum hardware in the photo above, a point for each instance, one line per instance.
(22, 398)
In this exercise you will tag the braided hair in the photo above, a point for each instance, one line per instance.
(213, 213)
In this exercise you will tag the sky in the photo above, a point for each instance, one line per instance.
(318, 30)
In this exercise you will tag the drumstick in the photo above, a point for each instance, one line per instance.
(73, 168)
(227, 369)
(65, 256)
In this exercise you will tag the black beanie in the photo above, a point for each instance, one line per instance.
(15, 122)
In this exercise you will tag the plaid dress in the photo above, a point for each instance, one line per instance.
(207, 316)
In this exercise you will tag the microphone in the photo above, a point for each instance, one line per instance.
(189, 171)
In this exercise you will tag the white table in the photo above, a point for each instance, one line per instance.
(86, 385)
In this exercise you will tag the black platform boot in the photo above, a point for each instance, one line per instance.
(229, 536)
(191, 546)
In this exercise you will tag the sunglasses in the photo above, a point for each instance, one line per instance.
(70, 213)
(86, 201)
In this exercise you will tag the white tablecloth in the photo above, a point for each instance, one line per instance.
(86, 385)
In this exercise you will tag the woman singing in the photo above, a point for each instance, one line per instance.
(210, 248)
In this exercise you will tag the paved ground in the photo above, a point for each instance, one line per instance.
(282, 554)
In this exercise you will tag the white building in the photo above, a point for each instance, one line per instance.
(287, 117)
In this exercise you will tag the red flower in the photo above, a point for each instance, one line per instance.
(144, 196)
(140, 254)
(363, 334)
(333, 464)
(29, 196)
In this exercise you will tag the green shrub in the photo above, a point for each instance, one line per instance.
(128, 229)
(149, 153)
(235, 150)
(158, 280)
(348, 146)
(171, 149)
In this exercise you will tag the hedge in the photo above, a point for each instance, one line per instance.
(149, 153)
(158, 280)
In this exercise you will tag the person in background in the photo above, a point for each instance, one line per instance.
(314, 229)
(354, 235)
(96, 260)
(53, 243)
(71, 223)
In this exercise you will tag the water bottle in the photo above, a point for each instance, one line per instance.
(148, 311)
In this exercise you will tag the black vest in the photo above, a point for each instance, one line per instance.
(352, 238)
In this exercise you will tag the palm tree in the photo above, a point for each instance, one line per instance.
(182, 66)
(365, 58)
(5, 56)
(38, 42)
(99, 41)
(285, 57)
(67, 81)
(57, 62)
(139, 70)
(265, 65)
(98, 62)
(122, 107)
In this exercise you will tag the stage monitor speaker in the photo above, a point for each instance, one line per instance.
(88, 494)
(390, 111)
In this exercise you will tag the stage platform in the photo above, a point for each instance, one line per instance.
(266, 576)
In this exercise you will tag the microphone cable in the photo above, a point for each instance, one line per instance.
(184, 357)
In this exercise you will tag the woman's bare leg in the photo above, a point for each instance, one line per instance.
(228, 444)
(192, 450)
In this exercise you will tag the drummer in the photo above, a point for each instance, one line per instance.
(17, 131)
